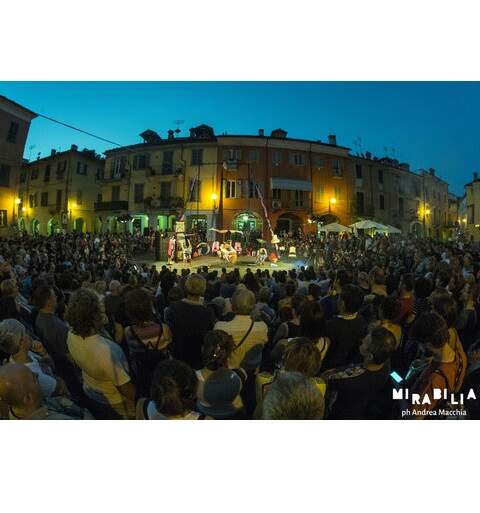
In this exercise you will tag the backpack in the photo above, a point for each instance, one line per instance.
(445, 404)
(143, 361)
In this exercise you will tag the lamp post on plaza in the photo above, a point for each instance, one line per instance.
(214, 197)
(426, 212)
(331, 201)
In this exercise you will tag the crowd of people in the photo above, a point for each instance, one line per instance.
(377, 328)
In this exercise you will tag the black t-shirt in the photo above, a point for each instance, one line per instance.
(346, 336)
(112, 304)
(356, 389)
(189, 322)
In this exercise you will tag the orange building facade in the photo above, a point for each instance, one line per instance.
(297, 180)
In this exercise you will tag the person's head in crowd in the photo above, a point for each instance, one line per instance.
(175, 294)
(173, 388)
(390, 308)
(298, 302)
(422, 288)
(293, 396)
(312, 321)
(243, 302)
(9, 308)
(431, 331)
(407, 282)
(19, 390)
(250, 281)
(101, 287)
(139, 306)
(220, 390)
(364, 281)
(216, 349)
(446, 307)
(343, 277)
(290, 288)
(9, 288)
(443, 279)
(351, 299)
(115, 287)
(264, 295)
(302, 355)
(14, 338)
(377, 346)
(285, 313)
(133, 280)
(377, 277)
(85, 313)
(45, 299)
(195, 286)
(231, 278)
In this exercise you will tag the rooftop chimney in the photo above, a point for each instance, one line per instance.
(475, 175)
(432, 171)
(53, 152)
(279, 133)
(74, 147)
(368, 155)
(332, 139)
(261, 132)
(170, 134)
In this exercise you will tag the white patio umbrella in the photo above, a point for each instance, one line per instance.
(334, 227)
(366, 224)
(392, 229)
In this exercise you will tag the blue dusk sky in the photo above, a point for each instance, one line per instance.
(427, 124)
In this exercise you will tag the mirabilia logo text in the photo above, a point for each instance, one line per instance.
(441, 395)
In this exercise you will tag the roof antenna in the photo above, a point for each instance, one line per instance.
(178, 122)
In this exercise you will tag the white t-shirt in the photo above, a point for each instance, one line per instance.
(104, 367)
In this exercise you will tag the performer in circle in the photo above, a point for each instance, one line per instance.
(261, 256)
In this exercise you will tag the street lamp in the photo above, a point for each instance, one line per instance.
(18, 201)
(214, 199)
(426, 212)
(331, 201)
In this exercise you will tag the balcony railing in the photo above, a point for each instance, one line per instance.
(111, 205)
